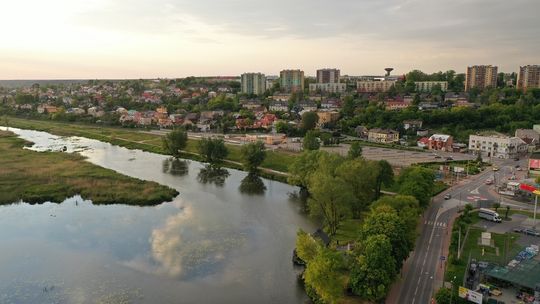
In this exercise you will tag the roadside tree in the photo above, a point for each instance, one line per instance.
(174, 142)
(253, 155)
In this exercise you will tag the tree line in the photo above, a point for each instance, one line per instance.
(340, 188)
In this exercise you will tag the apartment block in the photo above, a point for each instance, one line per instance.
(481, 76)
(375, 86)
(328, 76)
(253, 83)
(427, 86)
(528, 77)
(292, 80)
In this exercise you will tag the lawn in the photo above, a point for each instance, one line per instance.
(135, 139)
(36, 177)
(506, 243)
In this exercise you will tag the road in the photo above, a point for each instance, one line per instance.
(423, 271)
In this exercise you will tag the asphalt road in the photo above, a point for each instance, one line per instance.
(420, 281)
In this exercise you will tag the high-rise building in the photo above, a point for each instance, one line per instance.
(481, 76)
(292, 80)
(253, 83)
(328, 76)
(528, 77)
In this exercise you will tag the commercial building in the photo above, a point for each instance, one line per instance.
(481, 76)
(385, 136)
(427, 86)
(328, 76)
(375, 86)
(253, 83)
(494, 144)
(528, 77)
(292, 80)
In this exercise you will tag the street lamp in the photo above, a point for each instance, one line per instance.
(452, 289)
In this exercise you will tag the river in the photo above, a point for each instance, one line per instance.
(211, 244)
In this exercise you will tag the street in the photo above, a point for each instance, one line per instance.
(423, 271)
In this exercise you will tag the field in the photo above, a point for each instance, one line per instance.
(36, 177)
(135, 139)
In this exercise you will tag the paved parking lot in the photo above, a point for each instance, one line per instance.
(402, 158)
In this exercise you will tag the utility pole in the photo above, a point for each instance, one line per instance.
(459, 242)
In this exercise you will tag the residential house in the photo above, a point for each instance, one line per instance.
(413, 124)
(307, 106)
(326, 117)
(252, 104)
(95, 112)
(528, 134)
(266, 121)
(361, 131)
(331, 103)
(423, 142)
(440, 142)
(279, 106)
(386, 136)
(46, 109)
(422, 132)
(281, 96)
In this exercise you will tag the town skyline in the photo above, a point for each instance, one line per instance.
(131, 39)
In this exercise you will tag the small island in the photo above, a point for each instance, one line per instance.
(37, 177)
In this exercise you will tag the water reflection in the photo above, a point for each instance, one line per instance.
(213, 175)
(175, 166)
(252, 184)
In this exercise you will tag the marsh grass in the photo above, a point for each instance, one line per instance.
(36, 177)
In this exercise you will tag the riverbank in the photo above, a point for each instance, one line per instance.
(274, 167)
(36, 177)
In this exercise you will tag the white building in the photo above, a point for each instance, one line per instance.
(328, 87)
(375, 86)
(427, 86)
(496, 145)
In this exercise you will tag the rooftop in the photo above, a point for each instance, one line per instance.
(526, 273)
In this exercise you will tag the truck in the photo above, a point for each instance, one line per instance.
(489, 215)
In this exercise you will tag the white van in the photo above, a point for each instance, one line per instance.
(489, 215)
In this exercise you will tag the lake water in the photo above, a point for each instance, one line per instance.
(212, 244)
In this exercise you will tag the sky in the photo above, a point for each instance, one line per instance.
(82, 39)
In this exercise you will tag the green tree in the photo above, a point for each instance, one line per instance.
(253, 154)
(212, 150)
(303, 167)
(310, 142)
(385, 177)
(174, 142)
(443, 296)
(385, 220)
(407, 208)
(355, 150)
(374, 269)
(418, 182)
(309, 121)
(306, 246)
(361, 176)
(331, 199)
(323, 275)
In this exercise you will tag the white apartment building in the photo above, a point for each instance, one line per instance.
(328, 87)
(375, 86)
(496, 145)
(427, 86)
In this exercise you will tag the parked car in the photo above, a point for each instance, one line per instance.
(531, 232)
(448, 196)
(437, 156)
(518, 229)
(489, 181)
(495, 168)
(449, 158)
(519, 169)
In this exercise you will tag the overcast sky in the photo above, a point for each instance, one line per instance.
(176, 38)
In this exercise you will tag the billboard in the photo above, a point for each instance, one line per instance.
(471, 296)
(534, 163)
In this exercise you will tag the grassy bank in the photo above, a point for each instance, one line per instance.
(36, 177)
(134, 139)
